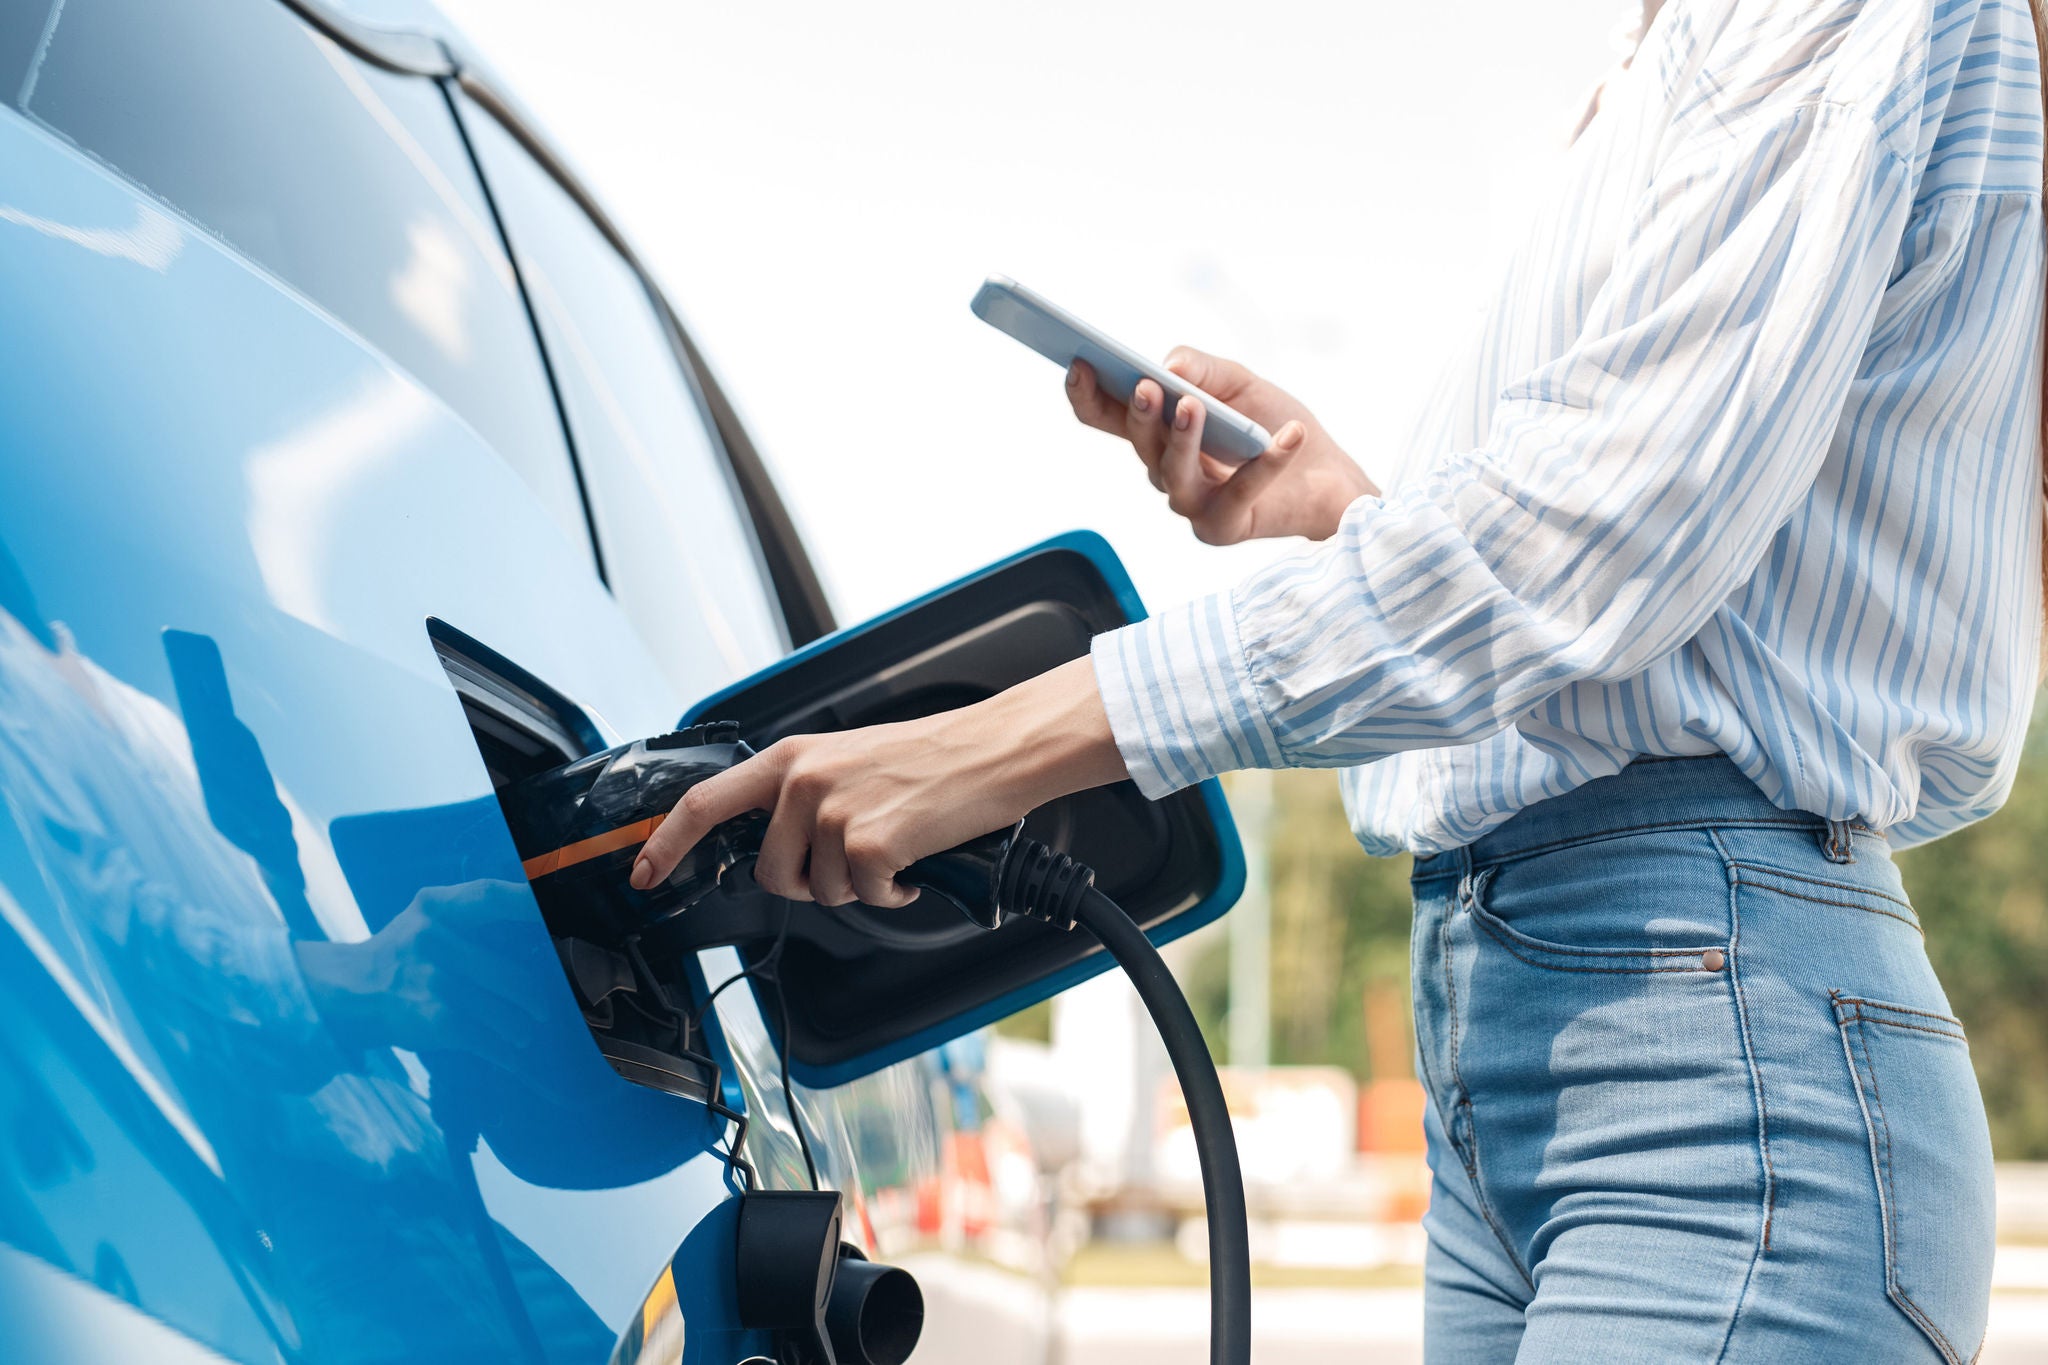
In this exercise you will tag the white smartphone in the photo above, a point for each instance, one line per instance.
(1061, 337)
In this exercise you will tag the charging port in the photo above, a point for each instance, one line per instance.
(638, 1012)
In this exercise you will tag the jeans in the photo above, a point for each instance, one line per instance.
(1695, 1092)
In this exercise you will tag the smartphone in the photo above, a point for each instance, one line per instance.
(1062, 338)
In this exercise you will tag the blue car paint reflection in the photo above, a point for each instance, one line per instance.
(228, 520)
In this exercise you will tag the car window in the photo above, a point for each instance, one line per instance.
(348, 182)
(21, 29)
(680, 557)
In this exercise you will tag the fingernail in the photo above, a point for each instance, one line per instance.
(1184, 414)
(1142, 401)
(643, 875)
(1073, 379)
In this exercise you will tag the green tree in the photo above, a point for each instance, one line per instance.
(1983, 901)
(1340, 923)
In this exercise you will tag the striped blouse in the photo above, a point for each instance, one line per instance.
(1744, 460)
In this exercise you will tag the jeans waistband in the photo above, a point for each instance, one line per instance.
(1649, 794)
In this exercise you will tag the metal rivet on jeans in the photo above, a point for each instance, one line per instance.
(1713, 959)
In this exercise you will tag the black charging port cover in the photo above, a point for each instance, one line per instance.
(787, 1254)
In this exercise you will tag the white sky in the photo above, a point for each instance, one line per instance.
(1319, 189)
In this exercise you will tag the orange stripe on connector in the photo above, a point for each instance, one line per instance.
(596, 846)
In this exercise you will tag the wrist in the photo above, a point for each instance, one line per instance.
(1051, 736)
(1347, 484)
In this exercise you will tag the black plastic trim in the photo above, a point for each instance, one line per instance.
(408, 52)
(540, 345)
(521, 725)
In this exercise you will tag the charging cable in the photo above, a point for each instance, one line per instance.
(765, 971)
(1005, 874)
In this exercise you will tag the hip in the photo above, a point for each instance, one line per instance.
(1662, 1002)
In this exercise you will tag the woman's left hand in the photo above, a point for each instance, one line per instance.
(848, 811)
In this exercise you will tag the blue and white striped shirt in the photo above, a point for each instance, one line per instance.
(1745, 461)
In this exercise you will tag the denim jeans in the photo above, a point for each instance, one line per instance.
(1695, 1093)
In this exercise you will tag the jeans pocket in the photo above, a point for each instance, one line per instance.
(1706, 959)
(1931, 1152)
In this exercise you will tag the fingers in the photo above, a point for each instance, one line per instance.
(1140, 421)
(1213, 375)
(1143, 427)
(783, 867)
(831, 881)
(1094, 407)
(840, 826)
(874, 872)
(829, 859)
(1181, 472)
(808, 853)
(751, 785)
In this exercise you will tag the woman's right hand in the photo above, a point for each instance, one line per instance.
(1299, 486)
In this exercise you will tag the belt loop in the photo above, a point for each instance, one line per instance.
(1464, 875)
(1835, 844)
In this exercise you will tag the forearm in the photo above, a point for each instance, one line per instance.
(1047, 736)
(851, 809)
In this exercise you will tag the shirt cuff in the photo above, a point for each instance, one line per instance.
(1180, 698)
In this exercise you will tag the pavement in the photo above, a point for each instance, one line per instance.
(1382, 1326)
(979, 1315)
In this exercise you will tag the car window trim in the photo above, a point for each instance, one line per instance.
(407, 52)
(806, 611)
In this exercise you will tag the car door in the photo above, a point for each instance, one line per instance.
(286, 510)
(681, 561)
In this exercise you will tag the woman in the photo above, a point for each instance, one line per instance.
(1713, 577)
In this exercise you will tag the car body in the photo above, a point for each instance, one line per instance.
(329, 393)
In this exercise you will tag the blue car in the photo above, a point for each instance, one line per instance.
(356, 472)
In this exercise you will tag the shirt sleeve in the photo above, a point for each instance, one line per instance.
(1623, 492)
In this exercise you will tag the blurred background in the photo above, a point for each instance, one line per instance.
(1321, 190)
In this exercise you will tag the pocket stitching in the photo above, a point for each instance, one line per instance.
(1768, 877)
(1515, 941)
(1917, 1028)
(1468, 1153)
(1833, 885)
(1881, 1153)
(1862, 1004)
(1756, 1079)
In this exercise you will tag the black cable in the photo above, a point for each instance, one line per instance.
(789, 1091)
(769, 969)
(1003, 874)
(714, 1086)
(1230, 1258)
(765, 971)
(759, 972)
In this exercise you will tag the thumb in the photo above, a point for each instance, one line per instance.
(1233, 501)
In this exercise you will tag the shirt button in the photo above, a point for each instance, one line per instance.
(1713, 959)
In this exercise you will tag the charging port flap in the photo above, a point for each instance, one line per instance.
(638, 1009)
(867, 986)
